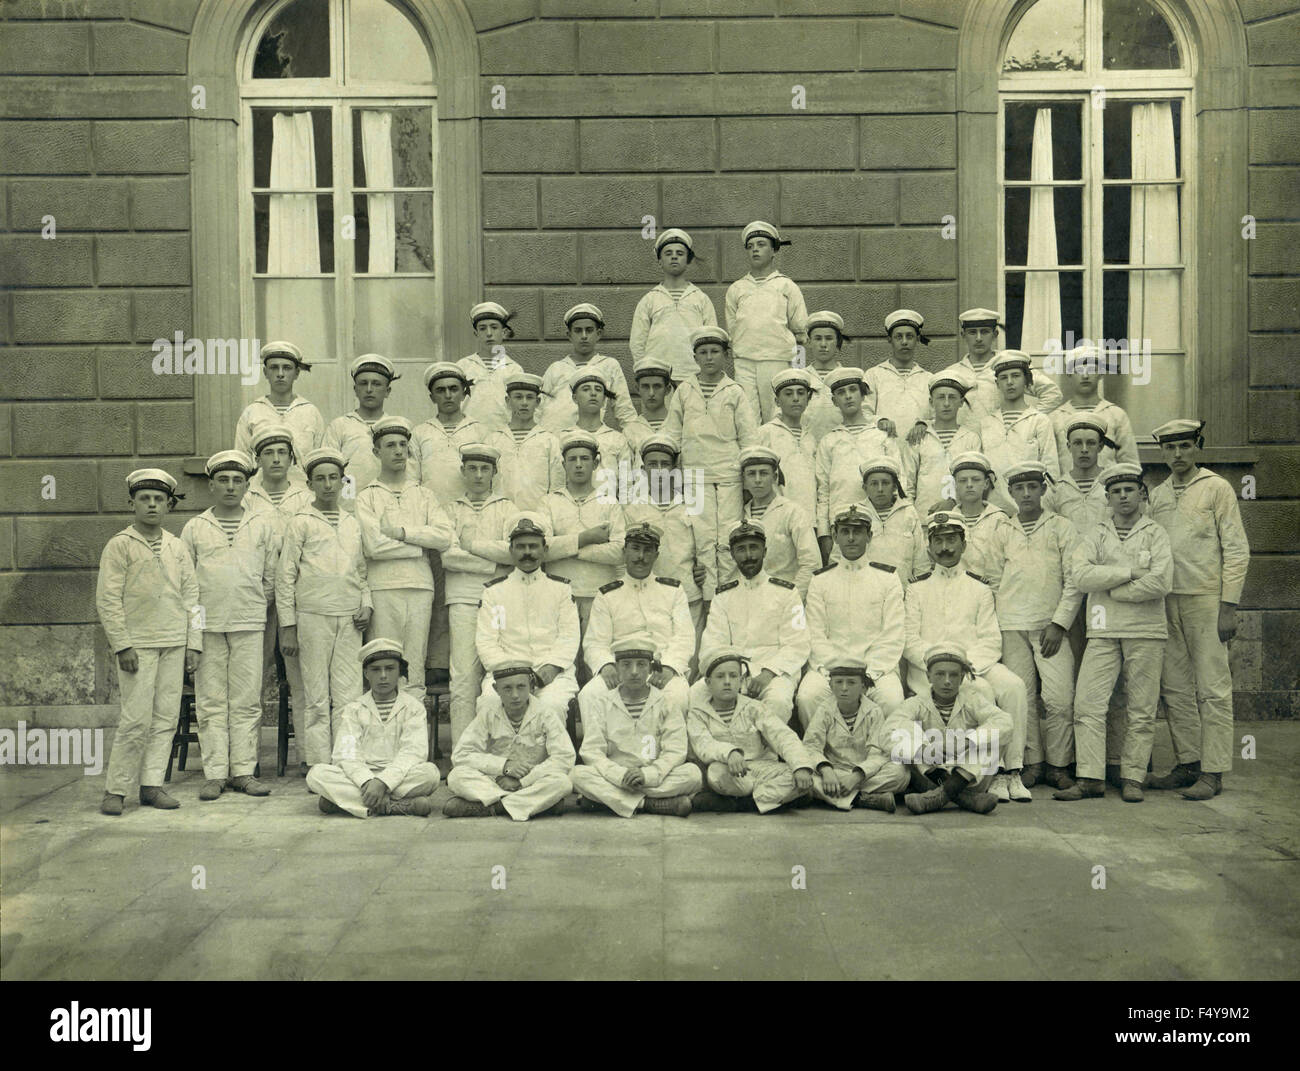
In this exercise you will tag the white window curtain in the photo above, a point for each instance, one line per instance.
(1154, 300)
(1042, 318)
(377, 153)
(293, 246)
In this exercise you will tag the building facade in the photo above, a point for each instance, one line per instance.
(1095, 168)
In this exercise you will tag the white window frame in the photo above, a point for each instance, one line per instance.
(1051, 87)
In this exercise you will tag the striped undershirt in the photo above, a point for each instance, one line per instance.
(1123, 533)
(281, 409)
(1178, 490)
(855, 429)
(276, 497)
(519, 435)
(229, 525)
(634, 708)
(385, 707)
(945, 436)
(331, 515)
(1010, 417)
(796, 432)
(850, 719)
(155, 545)
(1086, 485)
(757, 511)
(707, 389)
(1027, 526)
(655, 423)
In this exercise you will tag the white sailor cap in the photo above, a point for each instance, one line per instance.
(1026, 470)
(444, 370)
(825, 318)
(381, 648)
(971, 459)
(577, 439)
(645, 532)
(713, 658)
(758, 455)
(528, 523)
(851, 513)
(794, 377)
(584, 309)
(151, 480)
(945, 518)
(709, 333)
(266, 434)
(954, 376)
(590, 375)
(652, 366)
(322, 455)
(846, 665)
(906, 317)
(1005, 359)
(234, 460)
(489, 310)
(980, 318)
(391, 425)
(762, 228)
(637, 645)
(373, 362)
(480, 452)
(523, 381)
(947, 651)
(663, 444)
(750, 529)
(1121, 472)
(843, 376)
(1182, 428)
(673, 234)
(283, 349)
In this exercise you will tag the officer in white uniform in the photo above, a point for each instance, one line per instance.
(855, 610)
(641, 604)
(527, 617)
(951, 605)
(763, 617)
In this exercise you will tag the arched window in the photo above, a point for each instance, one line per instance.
(1096, 165)
(338, 203)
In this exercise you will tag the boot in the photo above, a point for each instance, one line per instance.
(329, 807)
(458, 807)
(979, 802)
(677, 806)
(1181, 776)
(416, 806)
(154, 796)
(1130, 791)
(1207, 786)
(1112, 775)
(1031, 774)
(1016, 788)
(708, 800)
(111, 804)
(876, 801)
(554, 809)
(1058, 777)
(498, 810)
(921, 783)
(1001, 788)
(212, 789)
(1086, 788)
(249, 785)
(303, 768)
(926, 802)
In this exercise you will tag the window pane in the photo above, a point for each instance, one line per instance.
(1018, 136)
(383, 45)
(300, 311)
(1142, 225)
(297, 43)
(1135, 36)
(1143, 307)
(398, 318)
(1045, 292)
(393, 152)
(300, 157)
(1058, 212)
(1143, 139)
(1148, 387)
(1048, 38)
(394, 232)
(293, 233)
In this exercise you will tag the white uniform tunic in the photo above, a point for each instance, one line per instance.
(986, 730)
(591, 567)
(558, 409)
(840, 455)
(1030, 438)
(662, 326)
(540, 740)
(435, 454)
(855, 610)
(903, 397)
(350, 435)
(1119, 429)
(530, 617)
(369, 746)
(798, 459)
(930, 464)
(765, 319)
(866, 746)
(792, 552)
(529, 470)
(984, 396)
(303, 419)
(1211, 555)
(615, 741)
(487, 398)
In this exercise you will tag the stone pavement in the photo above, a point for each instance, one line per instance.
(1192, 891)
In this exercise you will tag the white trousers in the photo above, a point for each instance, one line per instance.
(292, 670)
(546, 791)
(778, 697)
(1049, 735)
(466, 669)
(770, 783)
(683, 780)
(331, 783)
(1197, 684)
(403, 614)
(228, 701)
(721, 505)
(329, 652)
(1007, 691)
(815, 689)
(755, 379)
(151, 711)
(1103, 662)
(889, 777)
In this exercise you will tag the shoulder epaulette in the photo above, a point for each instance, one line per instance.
(672, 582)
(922, 576)
(613, 585)
(882, 566)
(976, 576)
(780, 583)
(494, 580)
(825, 569)
(728, 586)
(561, 579)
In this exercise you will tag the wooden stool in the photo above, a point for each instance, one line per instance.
(187, 731)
